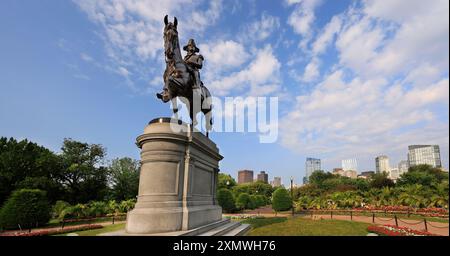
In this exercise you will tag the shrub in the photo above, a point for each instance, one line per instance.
(73, 212)
(127, 205)
(252, 204)
(59, 207)
(243, 201)
(27, 208)
(260, 200)
(97, 209)
(281, 200)
(226, 200)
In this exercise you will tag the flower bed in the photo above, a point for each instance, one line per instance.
(390, 230)
(51, 232)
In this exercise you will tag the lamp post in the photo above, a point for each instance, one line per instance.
(292, 195)
(258, 206)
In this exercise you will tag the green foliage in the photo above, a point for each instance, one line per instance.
(381, 180)
(25, 207)
(59, 207)
(24, 164)
(318, 177)
(281, 200)
(424, 175)
(254, 188)
(422, 186)
(226, 200)
(225, 181)
(243, 201)
(81, 174)
(127, 205)
(260, 200)
(96, 209)
(124, 177)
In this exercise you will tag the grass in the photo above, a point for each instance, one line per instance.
(306, 227)
(95, 232)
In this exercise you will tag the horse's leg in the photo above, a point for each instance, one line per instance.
(175, 107)
(208, 121)
(192, 114)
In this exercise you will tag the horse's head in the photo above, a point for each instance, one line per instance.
(170, 37)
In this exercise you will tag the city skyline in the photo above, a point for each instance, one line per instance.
(394, 170)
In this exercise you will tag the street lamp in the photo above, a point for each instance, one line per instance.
(292, 195)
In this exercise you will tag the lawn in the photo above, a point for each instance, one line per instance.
(95, 232)
(305, 227)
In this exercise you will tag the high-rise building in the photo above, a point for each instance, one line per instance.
(351, 174)
(393, 174)
(424, 154)
(350, 164)
(263, 176)
(276, 182)
(311, 165)
(403, 167)
(245, 176)
(382, 164)
(366, 174)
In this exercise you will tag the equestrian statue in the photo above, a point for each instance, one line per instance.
(182, 76)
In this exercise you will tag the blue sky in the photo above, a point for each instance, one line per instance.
(355, 79)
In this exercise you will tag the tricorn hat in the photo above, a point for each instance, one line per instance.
(191, 42)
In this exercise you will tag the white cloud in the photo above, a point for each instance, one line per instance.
(380, 41)
(327, 36)
(302, 18)
(223, 55)
(262, 72)
(132, 30)
(123, 72)
(311, 71)
(86, 57)
(356, 114)
(260, 29)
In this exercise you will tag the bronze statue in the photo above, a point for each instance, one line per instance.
(182, 76)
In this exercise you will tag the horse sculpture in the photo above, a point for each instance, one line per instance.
(179, 80)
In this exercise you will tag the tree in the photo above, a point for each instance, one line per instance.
(27, 208)
(243, 201)
(225, 181)
(82, 174)
(260, 188)
(318, 177)
(260, 200)
(226, 200)
(281, 200)
(24, 164)
(124, 178)
(381, 180)
(423, 174)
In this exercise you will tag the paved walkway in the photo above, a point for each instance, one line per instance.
(437, 228)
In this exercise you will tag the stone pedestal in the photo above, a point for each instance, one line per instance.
(177, 186)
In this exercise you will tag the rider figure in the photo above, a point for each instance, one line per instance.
(194, 61)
